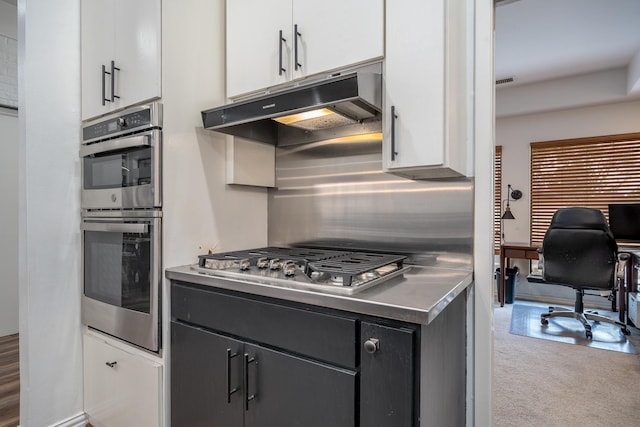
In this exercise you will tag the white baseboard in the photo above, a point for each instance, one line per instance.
(79, 420)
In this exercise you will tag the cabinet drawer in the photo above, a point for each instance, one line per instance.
(321, 336)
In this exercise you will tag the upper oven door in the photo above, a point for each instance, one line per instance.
(123, 173)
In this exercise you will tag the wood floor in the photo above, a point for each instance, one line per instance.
(9, 382)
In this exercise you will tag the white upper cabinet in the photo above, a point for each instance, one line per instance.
(274, 42)
(425, 89)
(121, 48)
(256, 55)
(337, 33)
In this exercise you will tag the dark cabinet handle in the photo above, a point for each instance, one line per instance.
(296, 34)
(111, 364)
(235, 389)
(113, 81)
(104, 98)
(280, 41)
(394, 116)
(248, 397)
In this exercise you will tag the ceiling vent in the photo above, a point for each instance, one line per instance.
(505, 80)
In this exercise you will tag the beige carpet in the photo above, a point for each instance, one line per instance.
(546, 383)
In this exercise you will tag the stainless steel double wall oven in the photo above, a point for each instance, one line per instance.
(121, 157)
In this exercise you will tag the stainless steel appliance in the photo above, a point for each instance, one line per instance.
(335, 106)
(122, 160)
(122, 224)
(121, 268)
(334, 271)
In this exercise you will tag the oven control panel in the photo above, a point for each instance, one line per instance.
(134, 120)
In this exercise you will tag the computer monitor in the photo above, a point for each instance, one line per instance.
(624, 221)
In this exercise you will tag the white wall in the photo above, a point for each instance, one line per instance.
(9, 196)
(49, 212)
(483, 137)
(517, 132)
(200, 212)
(8, 222)
(8, 20)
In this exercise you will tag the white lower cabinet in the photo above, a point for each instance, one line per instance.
(121, 388)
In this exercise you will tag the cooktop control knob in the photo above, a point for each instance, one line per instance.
(371, 345)
(289, 268)
(275, 264)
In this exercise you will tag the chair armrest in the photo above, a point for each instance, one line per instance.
(621, 267)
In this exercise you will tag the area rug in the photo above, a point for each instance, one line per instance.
(525, 320)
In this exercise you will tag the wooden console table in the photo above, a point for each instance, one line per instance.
(513, 250)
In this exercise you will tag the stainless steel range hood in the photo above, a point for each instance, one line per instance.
(339, 106)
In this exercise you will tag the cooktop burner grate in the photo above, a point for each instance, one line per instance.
(330, 267)
(300, 255)
(352, 264)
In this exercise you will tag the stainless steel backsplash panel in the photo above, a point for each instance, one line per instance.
(336, 195)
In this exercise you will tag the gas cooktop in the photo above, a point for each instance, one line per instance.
(335, 271)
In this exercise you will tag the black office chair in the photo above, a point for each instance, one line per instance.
(579, 251)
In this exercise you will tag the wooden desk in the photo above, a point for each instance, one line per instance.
(513, 250)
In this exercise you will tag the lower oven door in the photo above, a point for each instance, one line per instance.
(121, 277)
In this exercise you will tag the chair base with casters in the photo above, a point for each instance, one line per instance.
(583, 316)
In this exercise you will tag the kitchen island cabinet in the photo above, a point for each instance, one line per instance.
(240, 359)
(271, 43)
(425, 85)
(122, 387)
(121, 44)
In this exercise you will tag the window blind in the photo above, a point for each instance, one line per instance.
(497, 207)
(590, 172)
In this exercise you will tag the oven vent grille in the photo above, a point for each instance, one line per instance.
(505, 80)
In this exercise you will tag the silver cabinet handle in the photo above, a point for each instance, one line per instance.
(372, 345)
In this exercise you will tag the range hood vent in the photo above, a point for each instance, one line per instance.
(336, 107)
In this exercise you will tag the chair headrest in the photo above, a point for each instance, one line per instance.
(579, 218)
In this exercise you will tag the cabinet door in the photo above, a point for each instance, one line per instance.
(387, 376)
(337, 33)
(205, 369)
(120, 388)
(98, 41)
(137, 51)
(414, 84)
(254, 46)
(285, 390)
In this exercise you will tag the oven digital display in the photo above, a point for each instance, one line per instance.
(112, 126)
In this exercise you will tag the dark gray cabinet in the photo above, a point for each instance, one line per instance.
(240, 360)
(223, 381)
(387, 395)
(203, 374)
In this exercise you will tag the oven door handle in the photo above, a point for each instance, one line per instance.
(114, 227)
(116, 144)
